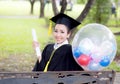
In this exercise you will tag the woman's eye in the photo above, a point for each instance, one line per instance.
(55, 30)
(62, 32)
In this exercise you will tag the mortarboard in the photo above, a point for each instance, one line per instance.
(66, 20)
(63, 19)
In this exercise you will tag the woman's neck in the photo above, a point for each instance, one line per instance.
(57, 45)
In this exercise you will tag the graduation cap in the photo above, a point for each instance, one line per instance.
(65, 20)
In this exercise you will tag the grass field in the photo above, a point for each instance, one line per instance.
(16, 39)
(16, 51)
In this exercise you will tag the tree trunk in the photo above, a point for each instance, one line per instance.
(82, 17)
(55, 10)
(63, 6)
(85, 11)
(42, 6)
(32, 5)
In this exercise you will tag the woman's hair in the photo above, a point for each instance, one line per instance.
(68, 29)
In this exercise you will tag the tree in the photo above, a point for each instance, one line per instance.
(85, 11)
(100, 11)
(32, 5)
(63, 5)
(42, 6)
(63, 8)
(81, 17)
(55, 10)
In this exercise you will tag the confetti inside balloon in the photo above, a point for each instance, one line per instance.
(94, 47)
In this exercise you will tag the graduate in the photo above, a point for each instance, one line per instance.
(58, 56)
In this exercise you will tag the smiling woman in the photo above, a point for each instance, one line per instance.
(58, 56)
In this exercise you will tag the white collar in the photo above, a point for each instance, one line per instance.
(58, 45)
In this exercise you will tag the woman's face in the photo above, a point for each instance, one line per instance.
(60, 33)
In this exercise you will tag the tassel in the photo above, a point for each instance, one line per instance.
(50, 29)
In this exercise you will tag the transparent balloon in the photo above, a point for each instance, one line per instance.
(94, 47)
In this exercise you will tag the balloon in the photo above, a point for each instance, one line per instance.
(94, 66)
(94, 47)
(77, 52)
(84, 60)
(86, 45)
(96, 54)
(105, 62)
(107, 47)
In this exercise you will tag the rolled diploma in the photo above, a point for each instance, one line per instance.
(37, 49)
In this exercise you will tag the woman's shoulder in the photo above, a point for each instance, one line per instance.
(49, 45)
(67, 45)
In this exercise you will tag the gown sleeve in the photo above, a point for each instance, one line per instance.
(39, 66)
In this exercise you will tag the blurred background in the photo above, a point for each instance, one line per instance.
(19, 17)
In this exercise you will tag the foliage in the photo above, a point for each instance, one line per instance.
(118, 45)
(81, 1)
(100, 11)
(113, 66)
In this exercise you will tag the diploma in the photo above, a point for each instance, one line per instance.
(37, 48)
(34, 35)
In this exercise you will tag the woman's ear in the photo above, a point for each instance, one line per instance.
(68, 35)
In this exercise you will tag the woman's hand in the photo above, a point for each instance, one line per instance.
(36, 47)
(35, 44)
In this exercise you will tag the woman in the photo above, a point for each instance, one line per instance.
(58, 56)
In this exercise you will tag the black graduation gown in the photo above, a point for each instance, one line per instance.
(62, 59)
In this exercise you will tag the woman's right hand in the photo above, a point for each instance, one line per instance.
(36, 47)
(35, 44)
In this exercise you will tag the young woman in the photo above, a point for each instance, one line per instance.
(58, 56)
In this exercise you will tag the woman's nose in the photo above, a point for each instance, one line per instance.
(58, 34)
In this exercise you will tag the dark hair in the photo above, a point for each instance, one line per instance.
(68, 29)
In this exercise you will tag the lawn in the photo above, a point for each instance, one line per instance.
(16, 38)
(16, 51)
(16, 33)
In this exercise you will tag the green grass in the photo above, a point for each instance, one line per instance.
(16, 36)
(117, 37)
(114, 29)
(16, 49)
(113, 66)
(118, 45)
